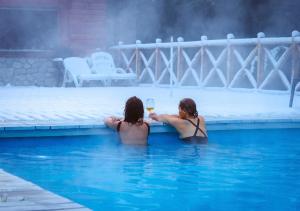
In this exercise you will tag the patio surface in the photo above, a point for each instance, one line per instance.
(38, 106)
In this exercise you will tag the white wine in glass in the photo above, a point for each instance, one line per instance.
(150, 104)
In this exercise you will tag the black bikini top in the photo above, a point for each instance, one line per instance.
(196, 138)
(119, 126)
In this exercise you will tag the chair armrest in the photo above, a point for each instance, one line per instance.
(120, 70)
(89, 61)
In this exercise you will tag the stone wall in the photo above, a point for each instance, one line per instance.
(29, 72)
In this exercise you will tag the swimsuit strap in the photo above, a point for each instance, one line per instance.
(197, 127)
(119, 126)
(148, 127)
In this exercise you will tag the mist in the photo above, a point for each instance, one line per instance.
(79, 28)
(131, 20)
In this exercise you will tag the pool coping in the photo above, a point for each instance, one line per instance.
(32, 129)
(19, 194)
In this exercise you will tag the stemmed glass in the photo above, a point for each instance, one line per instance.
(150, 104)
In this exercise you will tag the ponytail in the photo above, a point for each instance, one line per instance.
(196, 114)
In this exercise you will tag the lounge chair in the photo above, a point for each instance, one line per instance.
(103, 64)
(77, 70)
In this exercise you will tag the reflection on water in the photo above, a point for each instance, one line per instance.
(237, 170)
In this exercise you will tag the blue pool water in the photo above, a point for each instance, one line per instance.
(237, 170)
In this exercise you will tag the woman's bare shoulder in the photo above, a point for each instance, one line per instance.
(201, 118)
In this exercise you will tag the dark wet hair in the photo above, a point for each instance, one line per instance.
(134, 110)
(189, 106)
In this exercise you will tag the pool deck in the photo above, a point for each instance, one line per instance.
(38, 111)
(18, 194)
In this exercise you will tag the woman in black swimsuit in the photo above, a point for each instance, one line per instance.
(188, 123)
(132, 129)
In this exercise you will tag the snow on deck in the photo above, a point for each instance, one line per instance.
(34, 105)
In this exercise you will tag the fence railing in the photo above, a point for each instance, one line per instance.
(259, 63)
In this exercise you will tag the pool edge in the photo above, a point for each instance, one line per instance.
(96, 128)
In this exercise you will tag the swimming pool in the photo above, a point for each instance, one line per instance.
(237, 170)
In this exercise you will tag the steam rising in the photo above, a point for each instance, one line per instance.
(129, 20)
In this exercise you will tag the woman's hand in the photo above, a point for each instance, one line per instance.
(112, 121)
(113, 118)
(154, 116)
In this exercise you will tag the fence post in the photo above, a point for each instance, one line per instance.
(260, 59)
(171, 62)
(119, 54)
(229, 60)
(157, 61)
(137, 58)
(179, 53)
(295, 76)
(203, 39)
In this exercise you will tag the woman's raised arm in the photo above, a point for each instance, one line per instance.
(170, 119)
(112, 122)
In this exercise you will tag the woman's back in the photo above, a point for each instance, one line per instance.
(194, 131)
(132, 129)
(133, 133)
(190, 126)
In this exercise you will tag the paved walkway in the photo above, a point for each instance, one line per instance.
(18, 194)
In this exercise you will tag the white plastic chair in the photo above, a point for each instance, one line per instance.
(103, 64)
(77, 70)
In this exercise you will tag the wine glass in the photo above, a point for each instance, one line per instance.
(150, 104)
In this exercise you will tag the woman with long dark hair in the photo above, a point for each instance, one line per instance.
(188, 123)
(132, 129)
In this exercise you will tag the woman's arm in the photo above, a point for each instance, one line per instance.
(173, 120)
(112, 122)
(160, 118)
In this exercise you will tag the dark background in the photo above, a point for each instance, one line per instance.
(86, 25)
(28, 28)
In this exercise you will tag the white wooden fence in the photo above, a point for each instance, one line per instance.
(215, 63)
(259, 63)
